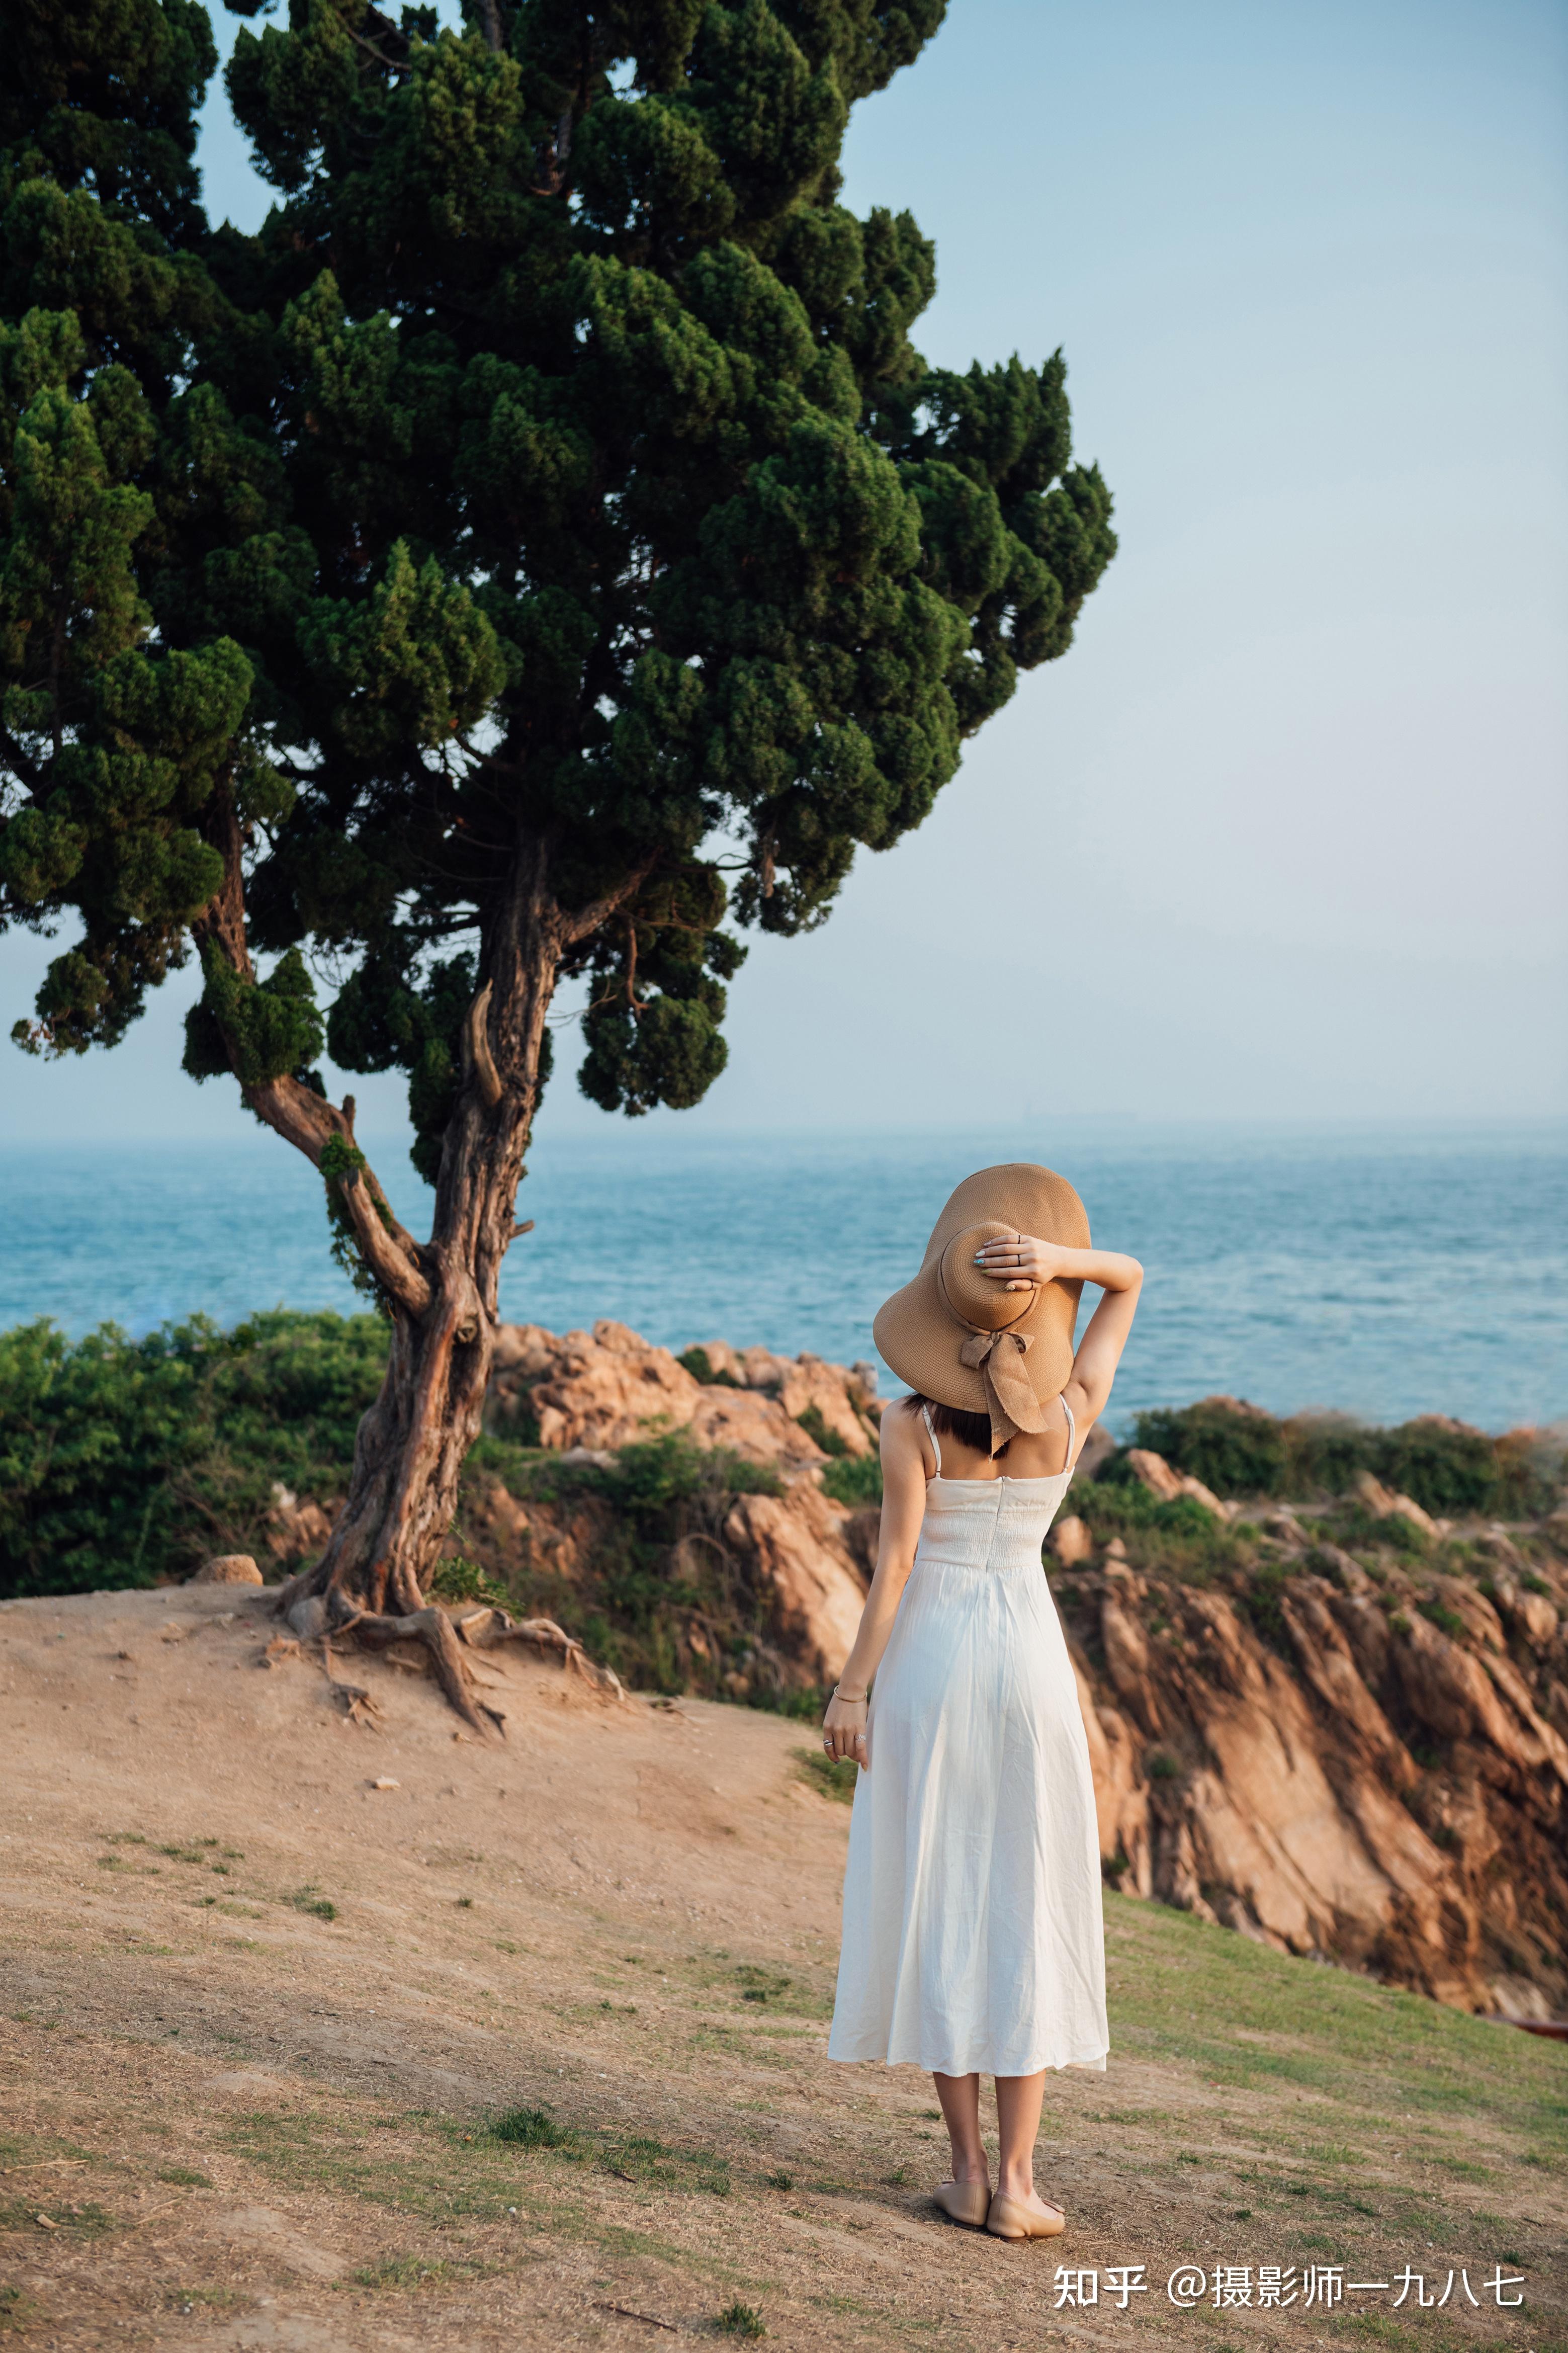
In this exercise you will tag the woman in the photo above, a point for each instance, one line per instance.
(972, 1939)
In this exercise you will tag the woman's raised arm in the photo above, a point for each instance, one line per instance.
(1017, 1262)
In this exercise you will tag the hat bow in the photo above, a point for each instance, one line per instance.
(998, 1358)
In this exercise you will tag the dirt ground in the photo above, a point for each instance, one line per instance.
(260, 2020)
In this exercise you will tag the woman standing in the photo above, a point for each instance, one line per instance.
(972, 1938)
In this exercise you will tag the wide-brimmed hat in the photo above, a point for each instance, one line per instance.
(963, 1339)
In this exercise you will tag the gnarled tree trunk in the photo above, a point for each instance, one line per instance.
(442, 1295)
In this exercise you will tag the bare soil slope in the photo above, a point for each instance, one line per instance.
(260, 2018)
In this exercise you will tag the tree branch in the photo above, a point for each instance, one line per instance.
(589, 918)
(294, 1111)
(309, 1122)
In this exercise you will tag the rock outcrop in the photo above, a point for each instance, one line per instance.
(608, 1387)
(1376, 1777)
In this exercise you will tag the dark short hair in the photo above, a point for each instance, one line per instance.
(970, 1429)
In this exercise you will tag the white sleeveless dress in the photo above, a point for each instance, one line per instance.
(974, 1939)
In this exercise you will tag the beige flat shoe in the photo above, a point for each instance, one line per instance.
(964, 2202)
(1007, 2219)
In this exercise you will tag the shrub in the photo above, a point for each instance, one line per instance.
(1181, 1539)
(854, 1479)
(818, 1430)
(462, 1580)
(123, 1463)
(698, 1363)
(1237, 1451)
(1447, 1469)
(1261, 1600)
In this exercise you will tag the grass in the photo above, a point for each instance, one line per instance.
(1378, 2059)
(819, 1772)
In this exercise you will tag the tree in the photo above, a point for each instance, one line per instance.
(538, 552)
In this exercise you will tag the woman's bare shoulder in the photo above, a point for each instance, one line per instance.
(901, 1423)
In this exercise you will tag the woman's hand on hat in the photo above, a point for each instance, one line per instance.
(1019, 1261)
(844, 1731)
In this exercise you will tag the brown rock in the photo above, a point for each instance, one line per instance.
(1120, 1804)
(228, 1568)
(1347, 1573)
(1535, 1618)
(1154, 1472)
(1127, 1662)
(1157, 1475)
(296, 1532)
(1383, 1505)
(797, 1545)
(1070, 1541)
(609, 1388)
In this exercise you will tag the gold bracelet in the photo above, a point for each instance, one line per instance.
(852, 1703)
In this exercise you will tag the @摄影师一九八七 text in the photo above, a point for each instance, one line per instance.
(1313, 2287)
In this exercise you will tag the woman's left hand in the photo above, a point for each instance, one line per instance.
(844, 1731)
(1016, 1261)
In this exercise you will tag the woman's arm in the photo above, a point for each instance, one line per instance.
(903, 1509)
(1017, 1262)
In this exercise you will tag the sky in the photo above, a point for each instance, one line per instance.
(1284, 836)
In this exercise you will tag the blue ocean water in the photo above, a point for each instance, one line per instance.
(1385, 1275)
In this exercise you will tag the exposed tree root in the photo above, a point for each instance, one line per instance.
(432, 1627)
(485, 1630)
(332, 1617)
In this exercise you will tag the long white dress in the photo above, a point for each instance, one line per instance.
(974, 1939)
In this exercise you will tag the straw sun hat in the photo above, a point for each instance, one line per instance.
(963, 1339)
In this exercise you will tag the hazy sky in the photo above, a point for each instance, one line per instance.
(1285, 832)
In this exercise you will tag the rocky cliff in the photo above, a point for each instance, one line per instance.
(1340, 1727)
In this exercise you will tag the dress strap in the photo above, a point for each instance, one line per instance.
(1072, 1432)
(930, 1433)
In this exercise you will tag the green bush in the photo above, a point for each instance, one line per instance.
(124, 1462)
(698, 1362)
(820, 1432)
(1241, 1452)
(1236, 1453)
(1181, 1538)
(854, 1479)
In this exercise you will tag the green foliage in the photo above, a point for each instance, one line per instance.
(820, 1432)
(1448, 1622)
(461, 1580)
(1260, 1598)
(696, 1363)
(854, 1479)
(126, 1461)
(1234, 1453)
(530, 2128)
(826, 1775)
(1447, 1469)
(739, 2320)
(550, 487)
(658, 1591)
(1181, 1538)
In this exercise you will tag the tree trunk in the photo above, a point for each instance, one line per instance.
(442, 1296)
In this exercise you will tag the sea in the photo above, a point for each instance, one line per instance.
(1380, 1274)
